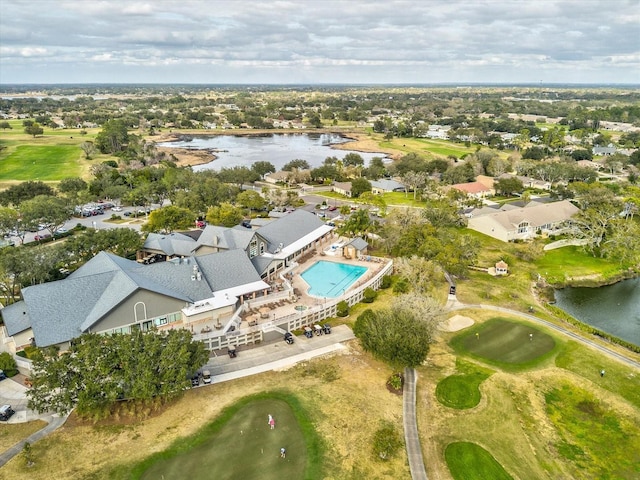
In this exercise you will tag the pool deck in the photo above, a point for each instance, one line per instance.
(373, 266)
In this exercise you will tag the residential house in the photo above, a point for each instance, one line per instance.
(343, 188)
(525, 223)
(604, 151)
(385, 185)
(474, 189)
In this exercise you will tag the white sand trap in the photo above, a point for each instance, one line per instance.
(455, 323)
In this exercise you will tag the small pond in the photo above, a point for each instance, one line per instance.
(614, 309)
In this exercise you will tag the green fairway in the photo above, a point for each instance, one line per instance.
(41, 162)
(461, 391)
(620, 379)
(505, 343)
(598, 441)
(240, 444)
(468, 461)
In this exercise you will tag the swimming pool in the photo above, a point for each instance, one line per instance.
(331, 279)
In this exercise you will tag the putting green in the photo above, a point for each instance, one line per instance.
(244, 447)
(505, 343)
(468, 461)
(462, 391)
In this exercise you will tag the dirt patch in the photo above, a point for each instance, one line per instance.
(456, 323)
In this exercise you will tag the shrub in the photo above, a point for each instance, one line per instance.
(395, 381)
(387, 441)
(369, 295)
(401, 286)
(8, 364)
(386, 282)
(342, 309)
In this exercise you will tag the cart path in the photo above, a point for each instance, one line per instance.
(409, 420)
(55, 422)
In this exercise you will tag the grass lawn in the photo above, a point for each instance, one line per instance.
(566, 262)
(461, 391)
(468, 461)
(12, 433)
(41, 162)
(619, 379)
(505, 343)
(240, 444)
(598, 442)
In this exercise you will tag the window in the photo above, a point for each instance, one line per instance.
(523, 227)
(253, 248)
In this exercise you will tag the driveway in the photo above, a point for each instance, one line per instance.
(14, 394)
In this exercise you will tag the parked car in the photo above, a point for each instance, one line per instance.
(6, 412)
(127, 214)
(333, 208)
(2, 375)
(116, 209)
(206, 376)
(44, 236)
(246, 224)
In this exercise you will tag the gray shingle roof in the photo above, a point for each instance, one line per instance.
(358, 243)
(16, 317)
(59, 311)
(289, 228)
(172, 244)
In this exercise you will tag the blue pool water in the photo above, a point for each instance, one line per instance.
(331, 279)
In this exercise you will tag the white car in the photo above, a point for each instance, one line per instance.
(116, 209)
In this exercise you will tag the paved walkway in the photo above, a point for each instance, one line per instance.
(411, 438)
(55, 421)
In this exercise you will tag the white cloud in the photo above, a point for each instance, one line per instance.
(332, 40)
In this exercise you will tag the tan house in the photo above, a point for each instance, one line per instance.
(527, 222)
(475, 189)
(343, 188)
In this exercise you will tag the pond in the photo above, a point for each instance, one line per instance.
(277, 148)
(614, 309)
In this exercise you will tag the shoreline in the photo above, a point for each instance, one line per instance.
(187, 157)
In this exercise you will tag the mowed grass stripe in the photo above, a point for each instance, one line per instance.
(34, 162)
(508, 344)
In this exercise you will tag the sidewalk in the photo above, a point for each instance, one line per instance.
(274, 356)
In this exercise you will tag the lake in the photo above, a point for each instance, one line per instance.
(614, 309)
(277, 148)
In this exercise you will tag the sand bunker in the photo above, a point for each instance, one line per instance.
(455, 323)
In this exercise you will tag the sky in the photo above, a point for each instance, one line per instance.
(320, 41)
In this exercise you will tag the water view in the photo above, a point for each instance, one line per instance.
(277, 148)
(614, 309)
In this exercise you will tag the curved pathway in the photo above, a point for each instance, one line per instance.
(411, 438)
(54, 423)
(612, 353)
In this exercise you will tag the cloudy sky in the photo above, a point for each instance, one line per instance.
(320, 41)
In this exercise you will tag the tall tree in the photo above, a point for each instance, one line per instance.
(34, 129)
(113, 137)
(98, 370)
(395, 336)
(224, 214)
(169, 219)
(52, 212)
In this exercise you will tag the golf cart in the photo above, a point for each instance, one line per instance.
(288, 337)
(318, 329)
(326, 328)
(206, 376)
(231, 350)
(308, 332)
(5, 412)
